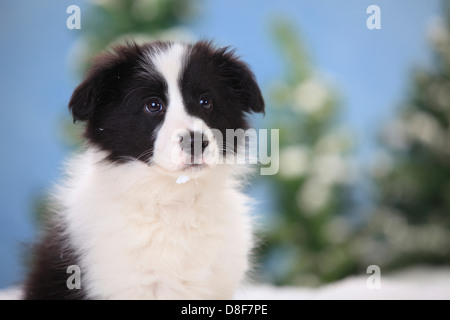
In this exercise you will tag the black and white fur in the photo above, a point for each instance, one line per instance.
(120, 215)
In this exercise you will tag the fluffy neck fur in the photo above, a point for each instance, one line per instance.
(139, 234)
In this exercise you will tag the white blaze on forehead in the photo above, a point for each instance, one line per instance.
(169, 63)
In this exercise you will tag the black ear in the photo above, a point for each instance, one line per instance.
(241, 81)
(92, 91)
(101, 82)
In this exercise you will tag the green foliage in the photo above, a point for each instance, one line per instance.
(312, 239)
(111, 21)
(307, 243)
(414, 179)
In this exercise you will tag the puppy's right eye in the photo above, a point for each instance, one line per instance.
(206, 103)
(154, 106)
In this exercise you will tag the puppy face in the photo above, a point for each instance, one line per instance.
(164, 103)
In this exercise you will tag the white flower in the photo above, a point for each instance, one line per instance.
(424, 128)
(310, 96)
(336, 141)
(313, 196)
(437, 32)
(395, 134)
(337, 230)
(330, 169)
(294, 161)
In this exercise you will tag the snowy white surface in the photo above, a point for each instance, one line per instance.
(10, 294)
(414, 284)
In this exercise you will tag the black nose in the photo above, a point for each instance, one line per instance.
(194, 142)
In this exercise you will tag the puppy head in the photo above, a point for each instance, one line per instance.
(165, 103)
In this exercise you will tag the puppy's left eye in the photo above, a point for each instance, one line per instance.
(205, 103)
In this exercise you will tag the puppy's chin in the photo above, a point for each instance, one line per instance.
(191, 171)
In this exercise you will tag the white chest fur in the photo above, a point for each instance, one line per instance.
(139, 235)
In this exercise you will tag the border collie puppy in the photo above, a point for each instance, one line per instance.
(146, 210)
